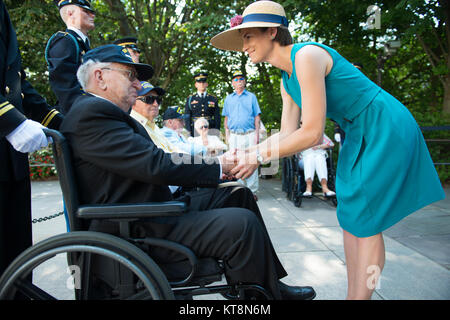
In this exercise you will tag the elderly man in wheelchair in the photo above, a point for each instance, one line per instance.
(118, 186)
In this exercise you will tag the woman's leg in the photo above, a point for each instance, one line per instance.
(309, 169)
(322, 171)
(351, 250)
(365, 259)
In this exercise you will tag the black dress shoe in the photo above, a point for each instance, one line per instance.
(296, 293)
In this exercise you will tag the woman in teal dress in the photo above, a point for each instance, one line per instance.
(384, 170)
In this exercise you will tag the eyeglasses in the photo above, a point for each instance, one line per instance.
(151, 99)
(238, 79)
(204, 127)
(131, 74)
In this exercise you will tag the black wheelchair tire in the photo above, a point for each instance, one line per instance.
(124, 252)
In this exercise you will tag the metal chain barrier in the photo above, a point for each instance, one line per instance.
(48, 217)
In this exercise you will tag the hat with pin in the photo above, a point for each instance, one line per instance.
(128, 42)
(85, 4)
(201, 76)
(173, 113)
(237, 73)
(146, 87)
(118, 54)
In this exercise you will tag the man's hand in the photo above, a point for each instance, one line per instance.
(246, 166)
(228, 161)
(28, 137)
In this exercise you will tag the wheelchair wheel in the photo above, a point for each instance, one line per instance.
(286, 183)
(150, 279)
(298, 200)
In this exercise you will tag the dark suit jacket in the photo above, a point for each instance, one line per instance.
(116, 161)
(18, 101)
(63, 56)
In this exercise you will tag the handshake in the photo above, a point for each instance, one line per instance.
(238, 164)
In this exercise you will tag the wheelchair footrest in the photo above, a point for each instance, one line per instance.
(208, 270)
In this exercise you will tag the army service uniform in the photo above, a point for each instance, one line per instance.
(18, 101)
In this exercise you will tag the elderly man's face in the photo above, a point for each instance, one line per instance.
(238, 83)
(122, 84)
(145, 108)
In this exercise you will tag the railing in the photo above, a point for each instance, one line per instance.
(437, 128)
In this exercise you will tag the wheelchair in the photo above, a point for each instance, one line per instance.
(294, 184)
(103, 266)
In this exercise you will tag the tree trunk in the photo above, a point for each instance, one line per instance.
(446, 101)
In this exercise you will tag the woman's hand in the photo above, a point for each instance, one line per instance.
(247, 164)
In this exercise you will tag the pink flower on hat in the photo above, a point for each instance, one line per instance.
(236, 20)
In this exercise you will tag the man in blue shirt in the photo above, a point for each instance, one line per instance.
(242, 120)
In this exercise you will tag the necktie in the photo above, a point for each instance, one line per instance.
(86, 42)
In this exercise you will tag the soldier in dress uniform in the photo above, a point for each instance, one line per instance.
(23, 114)
(65, 49)
(131, 44)
(202, 105)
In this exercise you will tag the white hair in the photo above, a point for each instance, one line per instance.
(198, 123)
(84, 72)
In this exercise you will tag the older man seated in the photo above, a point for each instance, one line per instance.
(116, 161)
(146, 109)
(173, 125)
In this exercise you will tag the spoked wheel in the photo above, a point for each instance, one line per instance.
(53, 279)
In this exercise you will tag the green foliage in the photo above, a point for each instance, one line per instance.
(174, 37)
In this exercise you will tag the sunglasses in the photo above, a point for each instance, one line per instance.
(239, 79)
(204, 127)
(151, 99)
(200, 80)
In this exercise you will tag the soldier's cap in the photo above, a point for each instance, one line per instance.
(174, 113)
(85, 4)
(118, 54)
(201, 76)
(128, 42)
(147, 87)
(237, 73)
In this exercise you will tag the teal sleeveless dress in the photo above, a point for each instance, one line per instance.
(384, 169)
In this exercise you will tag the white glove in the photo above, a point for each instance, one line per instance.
(337, 137)
(28, 137)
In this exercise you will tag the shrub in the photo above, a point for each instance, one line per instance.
(42, 165)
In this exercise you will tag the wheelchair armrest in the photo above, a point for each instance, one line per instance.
(132, 210)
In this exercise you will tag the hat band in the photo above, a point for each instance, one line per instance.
(266, 17)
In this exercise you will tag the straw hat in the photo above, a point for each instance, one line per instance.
(258, 14)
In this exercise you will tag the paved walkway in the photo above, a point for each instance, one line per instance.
(309, 243)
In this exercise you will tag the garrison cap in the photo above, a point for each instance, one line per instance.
(118, 54)
(85, 4)
(128, 42)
